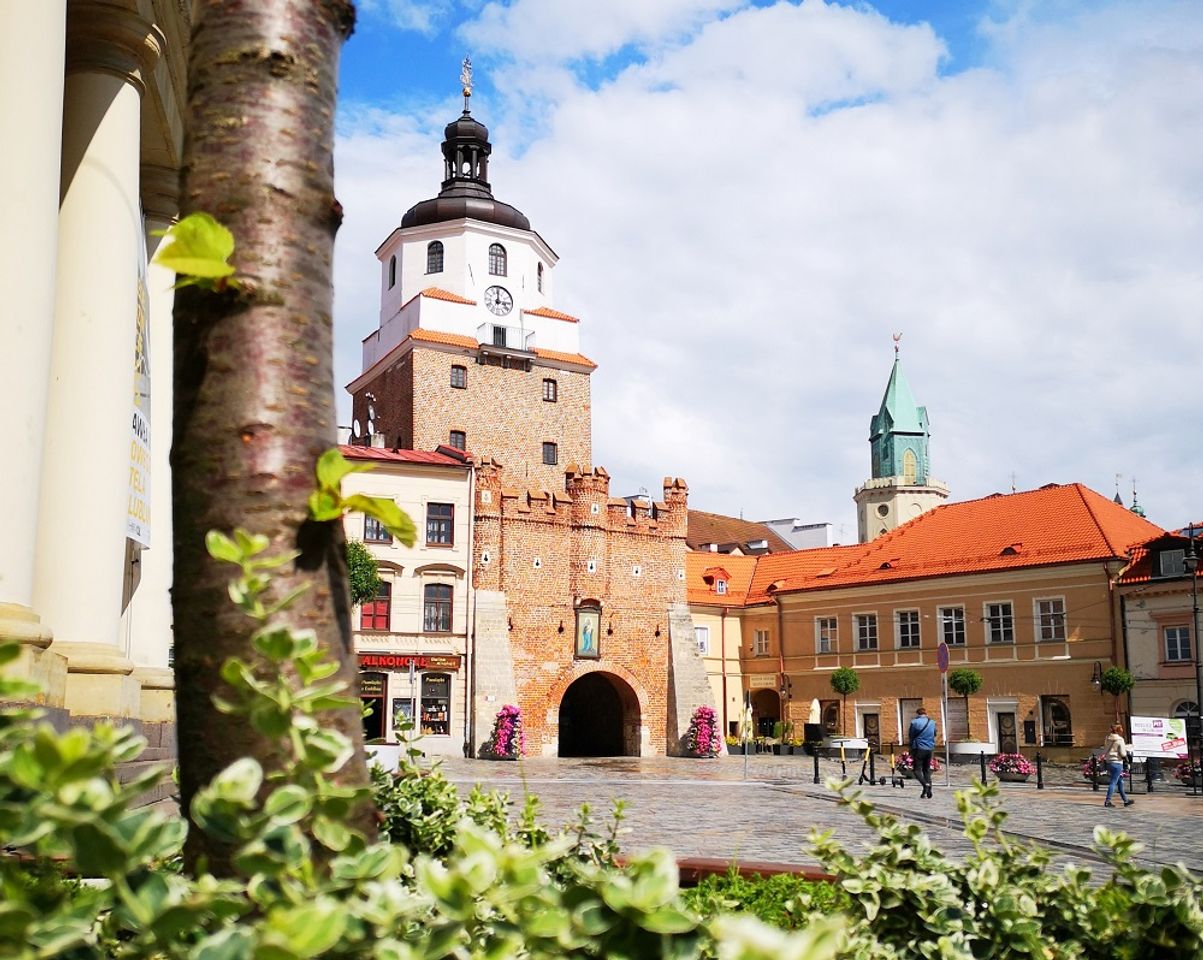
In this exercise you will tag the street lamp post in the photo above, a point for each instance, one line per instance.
(1191, 562)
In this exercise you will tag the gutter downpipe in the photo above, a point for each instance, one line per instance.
(470, 613)
(722, 645)
(781, 658)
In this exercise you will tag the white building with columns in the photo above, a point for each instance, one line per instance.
(94, 90)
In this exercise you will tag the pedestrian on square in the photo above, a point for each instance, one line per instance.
(922, 742)
(1114, 753)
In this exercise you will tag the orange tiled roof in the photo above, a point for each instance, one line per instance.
(438, 293)
(553, 314)
(1056, 524)
(558, 357)
(1140, 566)
(706, 528)
(700, 563)
(437, 336)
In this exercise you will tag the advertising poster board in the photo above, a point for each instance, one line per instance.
(1159, 737)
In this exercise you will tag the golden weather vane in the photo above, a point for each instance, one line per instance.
(465, 79)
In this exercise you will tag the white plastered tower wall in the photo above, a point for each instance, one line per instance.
(884, 503)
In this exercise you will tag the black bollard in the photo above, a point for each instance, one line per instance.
(1039, 772)
(815, 757)
(1094, 773)
(872, 768)
(1148, 774)
(982, 761)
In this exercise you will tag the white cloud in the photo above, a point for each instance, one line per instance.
(746, 215)
(419, 16)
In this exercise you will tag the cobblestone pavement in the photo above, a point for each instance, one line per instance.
(708, 808)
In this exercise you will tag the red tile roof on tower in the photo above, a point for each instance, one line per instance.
(437, 336)
(1053, 525)
(553, 314)
(557, 356)
(438, 293)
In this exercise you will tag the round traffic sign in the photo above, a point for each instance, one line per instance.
(942, 657)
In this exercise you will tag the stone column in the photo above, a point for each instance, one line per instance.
(81, 545)
(149, 612)
(32, 40)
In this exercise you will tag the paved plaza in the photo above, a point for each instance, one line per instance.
(764, 810)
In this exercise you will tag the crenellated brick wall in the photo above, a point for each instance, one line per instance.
(549, 553)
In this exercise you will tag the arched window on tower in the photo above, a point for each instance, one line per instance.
(539, 277)
(392, 271)
(434, 256)
(910, 466)
(497, 260)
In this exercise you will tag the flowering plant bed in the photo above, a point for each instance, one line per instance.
(1014, 763)
(906, 763)
(703, 738)
(1188, 773)
(1095, 768)
(507, 741)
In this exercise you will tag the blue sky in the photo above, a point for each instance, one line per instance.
(1017, 186)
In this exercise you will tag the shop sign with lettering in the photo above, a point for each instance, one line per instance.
(402, 661)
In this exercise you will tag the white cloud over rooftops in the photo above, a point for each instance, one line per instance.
(749, 211)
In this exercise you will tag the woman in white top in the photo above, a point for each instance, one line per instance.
(1114, 752)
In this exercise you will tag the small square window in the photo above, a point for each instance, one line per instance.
(551, 454)
(720, 587)
(459, 376)
(458, 439)
(1177, 644)
(440, 523)
(701, 636)
(374, 531)
(760, 643)
(551, 391)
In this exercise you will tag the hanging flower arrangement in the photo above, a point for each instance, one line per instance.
(507, 741)
(703, 738)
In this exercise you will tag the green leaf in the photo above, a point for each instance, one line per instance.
(97, 853)
(289, 803)
(332, 466)
(230, 943)
(221, 547)
(9, 652)
(199, 247)
(310, 929)
(324, 506)
(331, 834)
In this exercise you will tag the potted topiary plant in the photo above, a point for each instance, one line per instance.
(1116, 681)
(844, 681)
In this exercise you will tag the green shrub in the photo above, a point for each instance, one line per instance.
(784, 900)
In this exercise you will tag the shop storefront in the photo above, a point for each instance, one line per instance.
(426, 689)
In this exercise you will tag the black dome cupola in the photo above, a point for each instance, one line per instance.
(465, 191)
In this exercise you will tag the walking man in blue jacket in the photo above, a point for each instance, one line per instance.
(922, 743)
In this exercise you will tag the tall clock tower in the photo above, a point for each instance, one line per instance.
(469, 351)
(901, 486)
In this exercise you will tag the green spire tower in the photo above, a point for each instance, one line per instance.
(901, 486)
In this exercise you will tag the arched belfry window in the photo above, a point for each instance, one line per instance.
(497, 260)
(539, 277)
(910, 466)
(434, 256)
(392, 271)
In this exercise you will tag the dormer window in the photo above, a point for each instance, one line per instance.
(539, 277)
(1172, 563)
(720, 587)
(434, 256)
(497, 260)
(392, 271)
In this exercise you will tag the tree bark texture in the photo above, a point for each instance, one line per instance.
(254, 392)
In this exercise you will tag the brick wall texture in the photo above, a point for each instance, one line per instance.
(501, 411)
(551, 553)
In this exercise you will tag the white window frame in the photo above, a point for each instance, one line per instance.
(918, 618)
(948, 625)
(827, 634)
(861, 621)
(1039, 618)
(720, 587)
(760, 643)
(701, 636)
(988, 620)
(1183, 631)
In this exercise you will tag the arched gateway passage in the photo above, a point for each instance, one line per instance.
(599, 717)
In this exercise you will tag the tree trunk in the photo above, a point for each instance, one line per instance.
(254, 392)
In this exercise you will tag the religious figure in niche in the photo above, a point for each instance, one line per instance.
(588, 620)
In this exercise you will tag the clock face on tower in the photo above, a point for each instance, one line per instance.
(498, 301)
